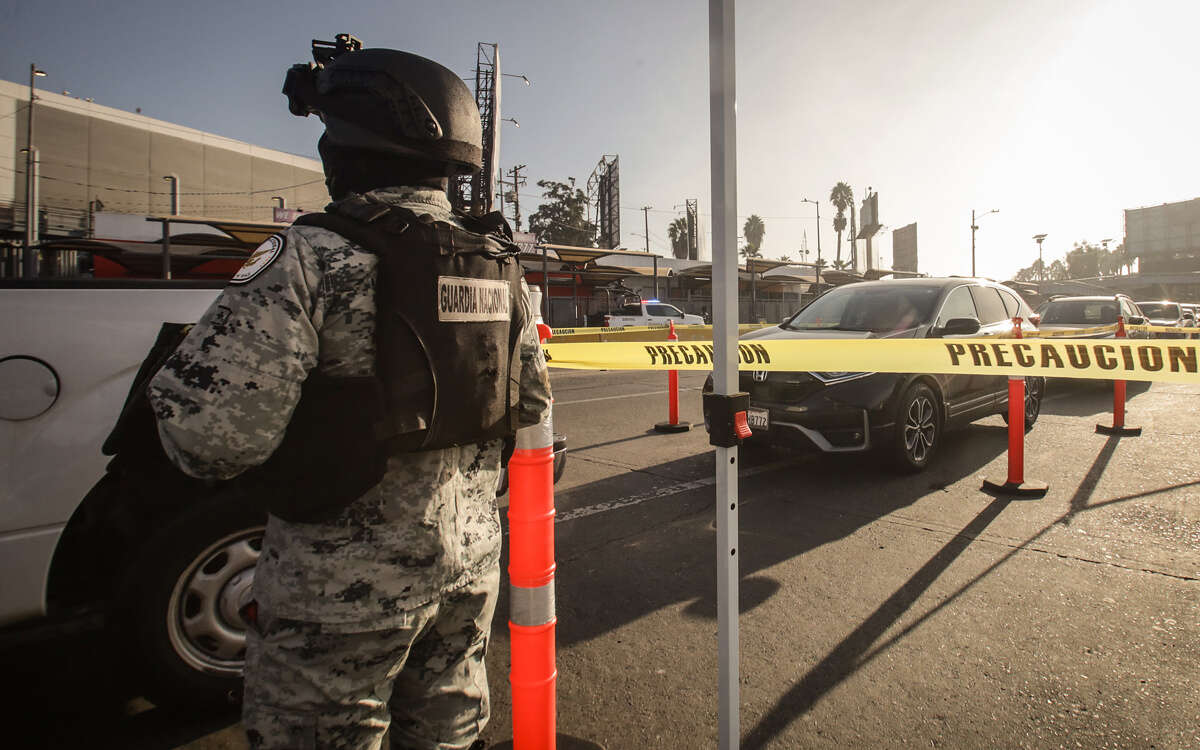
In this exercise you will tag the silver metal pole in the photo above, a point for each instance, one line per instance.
(166, 249)
(31, 264)
(723, 139)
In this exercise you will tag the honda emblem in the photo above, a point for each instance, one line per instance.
(760, 376)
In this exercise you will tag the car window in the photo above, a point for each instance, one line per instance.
(1160, 309)
(667, 311)
(1129, 310)
(1080, 312)
(633, 308)
(988, 302)
(1012, 305)
(878, 308)
(958, 305)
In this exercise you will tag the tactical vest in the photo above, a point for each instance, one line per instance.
(448, 322)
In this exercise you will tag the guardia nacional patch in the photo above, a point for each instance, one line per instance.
(260, 260)
(466, 300)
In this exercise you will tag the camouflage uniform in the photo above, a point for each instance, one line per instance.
(392, 600)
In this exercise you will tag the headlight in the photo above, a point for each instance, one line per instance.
(837, 377)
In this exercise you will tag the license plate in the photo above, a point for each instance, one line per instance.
(758, 419)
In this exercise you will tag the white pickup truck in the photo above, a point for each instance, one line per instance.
(159, 558)
(650, 312)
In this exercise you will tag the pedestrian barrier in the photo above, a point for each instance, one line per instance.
(643, 333)
(1104, 359)
(1016, 484)
(1074, 332)
(1118, 426)
(532, 622)
(1181, 332)
(672, 424)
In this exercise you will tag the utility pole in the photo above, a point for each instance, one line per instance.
(646, 217)
(30, 261)
(973, 228)
(516, 183)
(1041, 264)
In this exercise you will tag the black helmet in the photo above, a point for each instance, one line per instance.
(388, 101)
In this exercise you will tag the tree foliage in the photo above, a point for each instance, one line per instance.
(677, 231)
(753, 230)
(1085, 260)
(842, 197)
(562, 217)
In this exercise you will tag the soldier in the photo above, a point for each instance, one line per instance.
(362, 382)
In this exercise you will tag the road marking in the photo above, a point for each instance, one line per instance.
(623, 395)
(661, 492)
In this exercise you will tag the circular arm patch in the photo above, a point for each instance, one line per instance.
(260, 260)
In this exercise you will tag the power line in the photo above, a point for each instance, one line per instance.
(165, 192)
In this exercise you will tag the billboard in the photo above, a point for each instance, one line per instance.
(904, 248)
(868, 216)
(1166, 237)
(609, 200)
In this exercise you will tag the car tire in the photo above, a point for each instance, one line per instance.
(1035, 391)
(176, 612)
(918, 432)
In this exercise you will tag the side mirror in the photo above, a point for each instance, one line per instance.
(1035, 318)
(1135, 320)
(957, 327)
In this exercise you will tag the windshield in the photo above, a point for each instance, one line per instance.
(877, 309)
(1159, 309)
(1078, 311)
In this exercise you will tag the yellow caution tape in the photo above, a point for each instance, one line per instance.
(1072, 332)
(1107, 359)
(1164, 329)
(588, 330)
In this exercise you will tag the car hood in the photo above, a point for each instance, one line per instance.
(779, 334)
(1163, 321)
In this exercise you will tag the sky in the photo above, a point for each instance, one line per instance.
(1060, 114)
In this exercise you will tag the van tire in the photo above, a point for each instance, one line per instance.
(175, 613)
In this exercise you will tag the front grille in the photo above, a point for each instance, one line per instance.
(779, 387)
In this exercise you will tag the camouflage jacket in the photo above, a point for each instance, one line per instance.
(224, 399)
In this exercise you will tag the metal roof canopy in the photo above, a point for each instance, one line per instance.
(585, 255)
(252, 233)
(249, 233)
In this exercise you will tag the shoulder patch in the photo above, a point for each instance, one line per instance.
(260, 260)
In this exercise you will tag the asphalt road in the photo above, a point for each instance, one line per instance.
(877, 610)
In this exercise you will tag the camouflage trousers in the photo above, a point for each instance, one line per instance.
(309, 688)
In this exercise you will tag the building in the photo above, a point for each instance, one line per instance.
(93, 159)
(1164, 238)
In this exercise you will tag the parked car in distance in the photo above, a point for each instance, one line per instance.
(903, 416)
(1163, 313)
(1067, 313)
(649, 312)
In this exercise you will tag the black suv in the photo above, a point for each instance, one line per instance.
(903, 415)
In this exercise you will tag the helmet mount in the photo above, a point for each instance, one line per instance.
(387, 101)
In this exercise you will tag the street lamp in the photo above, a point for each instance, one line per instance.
(819, 261)
(174, 180)
(1041, 264)
(973, 228)
(30, 261)
(517, 75)
(512, 120)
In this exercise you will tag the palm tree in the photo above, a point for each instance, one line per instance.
(753, 230)
(842, 196)
(677, 230)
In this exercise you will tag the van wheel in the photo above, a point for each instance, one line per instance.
(177, 609)
(918, 433)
